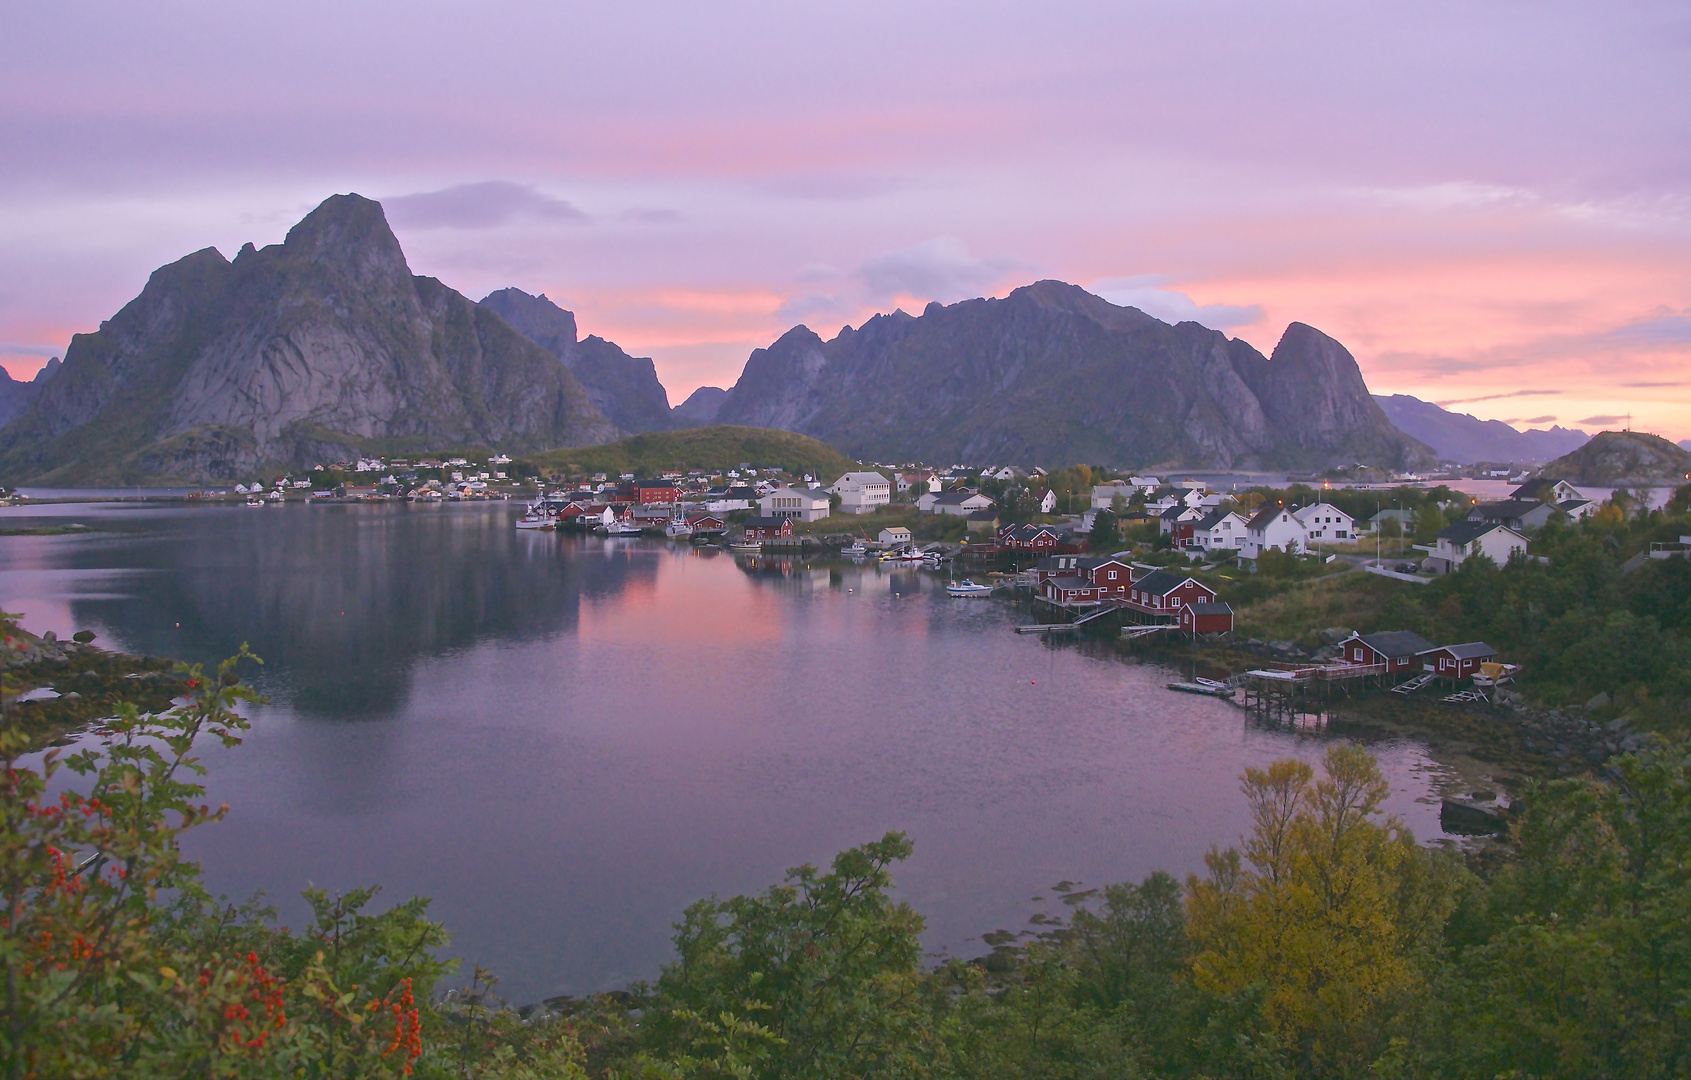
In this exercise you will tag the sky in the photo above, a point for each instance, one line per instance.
(1489, 204)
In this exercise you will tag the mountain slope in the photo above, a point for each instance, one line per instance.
(1463, 438)
(16, 396)
(701, 406)
(625, 388)
(1053, 374)
(1622, 457)
(293, 353)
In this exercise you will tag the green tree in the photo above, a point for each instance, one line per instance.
(816, 977)
(1106, 533)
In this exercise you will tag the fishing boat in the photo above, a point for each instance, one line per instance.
(910, 555)
(537, 518)
(966, 587)
(856, 548)
(745, 545)
(677, 529)
(618, 528)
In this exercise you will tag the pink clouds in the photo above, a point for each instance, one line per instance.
(1476, 200)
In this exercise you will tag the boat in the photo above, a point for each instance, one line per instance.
(855, 548)
(537, 518)
(254, 500)
(967, 587)
(911, 555)
(745, 545)
(618, 528)
(1203, 686)
(677, 529)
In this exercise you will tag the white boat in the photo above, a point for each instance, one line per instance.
(745, 545)
(677, 529)
(537, 519)
(619, 528)
(856, 547)
(968, 588)
(910, 555)
(254, 500)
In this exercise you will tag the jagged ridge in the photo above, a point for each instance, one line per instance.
(1052, 373)
(324, 340)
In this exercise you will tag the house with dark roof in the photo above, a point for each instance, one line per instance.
(1545, 490)
(1274, 527)
(1465, 539)
(1518, 514)
(1393, 651)
(1205, 619)
(1219, 530)
(1162, 592)
(768, 528)
(1457, 661)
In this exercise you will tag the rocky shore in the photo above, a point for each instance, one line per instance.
(52, 687)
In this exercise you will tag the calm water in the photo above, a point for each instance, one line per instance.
(564, 741)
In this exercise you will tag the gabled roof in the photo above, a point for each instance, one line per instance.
(1220, 607)
(982, 515)
(956, 498)
(1508, 508)
(1268, 514)
(1396, 643)
(766, 522)
(1568, 506)
(1161, 582)
(1470, 650)
(1212, 519)
(1466, 532)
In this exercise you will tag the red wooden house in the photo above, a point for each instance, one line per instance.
(1458, 661)
(706, 523)
(1070, 590)
(1214, 618)
(1395, 651)
(1039, 539)
(768, 528)
(1163, 593)
(656, 492)
(1113, 577)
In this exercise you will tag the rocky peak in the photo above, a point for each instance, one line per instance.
(349, 234)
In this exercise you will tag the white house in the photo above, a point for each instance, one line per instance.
(1104, 495)
(959, 502)
(1274, 527)
(800, 504)
(896, 536)
(1199, 498)
(1147, 484)
(1324, 523)
(1171, 519)
(1466, 539)
(1048, 502)
(861, 492)
(1219, 530)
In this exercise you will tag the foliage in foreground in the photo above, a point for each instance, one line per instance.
(1328, 944)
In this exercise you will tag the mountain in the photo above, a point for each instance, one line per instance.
(307, 350)
(625, 388)
(1622, 458)
(1463, 438)
(1053, 374)
(701, 406)
(15, 396)
(717, 447)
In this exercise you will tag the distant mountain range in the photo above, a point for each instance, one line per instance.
(313, 349)
(327, 346)
(1467, 439)
(1053, 374)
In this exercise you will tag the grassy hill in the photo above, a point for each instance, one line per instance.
(719, 447)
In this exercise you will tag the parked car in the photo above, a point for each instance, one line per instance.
(1407, 568)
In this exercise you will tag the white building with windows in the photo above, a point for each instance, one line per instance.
(798, 503)
(1465, 539)
(1219, 530)
(1273, 528)
(1324, 523)
(1104, 495)
(862, 492)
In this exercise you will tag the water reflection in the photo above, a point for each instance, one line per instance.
(577, 738)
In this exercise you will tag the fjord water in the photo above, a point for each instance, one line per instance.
(564, 741)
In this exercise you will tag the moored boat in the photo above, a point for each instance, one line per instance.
(966, 587)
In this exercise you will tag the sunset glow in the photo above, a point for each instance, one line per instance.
(1490, 208)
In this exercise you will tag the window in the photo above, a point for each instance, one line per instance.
(1357, 653)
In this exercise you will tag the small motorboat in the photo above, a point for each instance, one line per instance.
(745, 545)
(856, 548)
(537, 519)
(910, 555)
(618, 528)
(1209, 687)
(967, 587)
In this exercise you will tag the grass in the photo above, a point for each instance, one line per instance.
(715, 448)
(1301, 609)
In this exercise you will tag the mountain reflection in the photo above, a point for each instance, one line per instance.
(340, 602)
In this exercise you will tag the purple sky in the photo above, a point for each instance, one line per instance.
(1490, 204)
